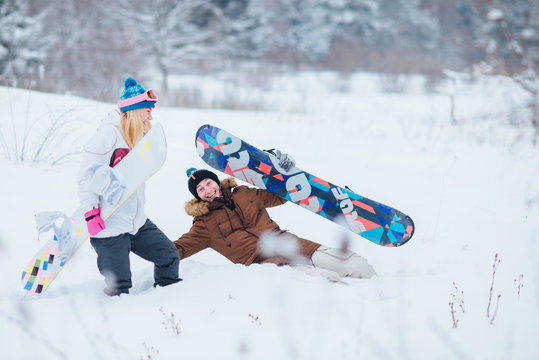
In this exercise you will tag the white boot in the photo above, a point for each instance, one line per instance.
(343, 262)
(328, 274)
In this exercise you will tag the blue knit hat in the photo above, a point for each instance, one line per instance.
(133, 89)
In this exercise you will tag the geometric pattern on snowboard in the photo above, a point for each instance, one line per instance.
(379, 223)
(144, 160)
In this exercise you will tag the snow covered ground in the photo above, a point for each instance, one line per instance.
(469, 189)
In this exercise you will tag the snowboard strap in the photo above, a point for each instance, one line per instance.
(49, 220)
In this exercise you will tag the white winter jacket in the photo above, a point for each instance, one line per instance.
(129, 217)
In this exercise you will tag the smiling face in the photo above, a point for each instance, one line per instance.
(146, 116)
(208, 190)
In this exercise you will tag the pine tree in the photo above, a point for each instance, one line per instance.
(22, 49)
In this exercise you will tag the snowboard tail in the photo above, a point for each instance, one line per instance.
(379, 223)
(144, 160)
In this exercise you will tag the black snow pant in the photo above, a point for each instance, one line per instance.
(149, 243)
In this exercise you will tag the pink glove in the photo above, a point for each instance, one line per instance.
(94, 222)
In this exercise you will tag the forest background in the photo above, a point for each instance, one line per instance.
(87, 48)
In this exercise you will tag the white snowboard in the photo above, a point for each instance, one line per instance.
(70, 233)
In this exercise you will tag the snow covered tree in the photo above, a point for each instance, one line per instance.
(308, 27)
(311, 27)
(404, 25)
(91, 52)
(173, 34)
(455, 49)
(508, 33)
(247, 31)
(22, 47)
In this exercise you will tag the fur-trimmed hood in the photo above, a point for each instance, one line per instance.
(197, 207)
(232, 226)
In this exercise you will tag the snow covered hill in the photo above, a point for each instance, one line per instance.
(469, 188)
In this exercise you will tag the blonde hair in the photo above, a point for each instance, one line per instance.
(132, 127)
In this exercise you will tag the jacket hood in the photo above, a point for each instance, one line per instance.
(197, 207)
(108, 136)
(112, 118)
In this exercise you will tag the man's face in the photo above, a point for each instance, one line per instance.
(208, 190)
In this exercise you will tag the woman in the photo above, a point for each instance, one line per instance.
(233, 219)
(128, 228)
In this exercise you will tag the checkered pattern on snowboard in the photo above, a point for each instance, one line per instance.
(137, 167)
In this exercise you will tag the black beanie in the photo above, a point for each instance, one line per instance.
(196, 176)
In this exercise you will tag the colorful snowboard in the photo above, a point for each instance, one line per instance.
(135, 169)
(381, 224)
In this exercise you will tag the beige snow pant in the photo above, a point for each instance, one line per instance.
(343, 262)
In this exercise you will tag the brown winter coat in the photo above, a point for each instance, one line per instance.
(235, 232)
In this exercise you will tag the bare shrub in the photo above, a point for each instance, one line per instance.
(41, 140)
